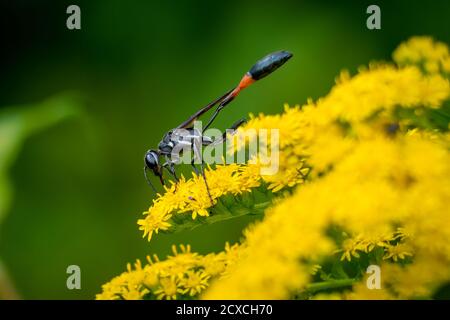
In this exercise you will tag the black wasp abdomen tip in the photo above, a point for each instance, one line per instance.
(269, 63)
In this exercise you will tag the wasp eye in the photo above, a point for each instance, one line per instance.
(151, 159)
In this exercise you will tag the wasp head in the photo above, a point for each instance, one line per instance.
(151, 161)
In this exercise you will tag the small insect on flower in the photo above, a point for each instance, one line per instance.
(185, 136)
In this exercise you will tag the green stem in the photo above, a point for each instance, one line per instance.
(219, 213)
(330, 284)
(262, 205)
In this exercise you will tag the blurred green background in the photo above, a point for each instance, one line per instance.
(135, 70)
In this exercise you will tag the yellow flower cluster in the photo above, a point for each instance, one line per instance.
(375, 180)
(191, 197)
(390, 243)
(377, 185)
(378, 189)
(315, 130)
(292, 168)
(184, 274)
(433, 56)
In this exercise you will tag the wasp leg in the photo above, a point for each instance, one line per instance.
(202, 172)
(238, 123)
(197, 153)
(202, 169)
(222, 105)
(195, 168)
(233, 128)
(210, 121)
(204, 178)
(169, 166)
(173, 172)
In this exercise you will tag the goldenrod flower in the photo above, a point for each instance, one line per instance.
(194, 282)
(183, 274)
(190, 197)
(350, 249)
(368, 172)
(168, 289)
(398, 252)
(366, 180)
(423, 50)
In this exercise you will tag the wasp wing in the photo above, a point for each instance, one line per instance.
(188, 123)
(262, 68)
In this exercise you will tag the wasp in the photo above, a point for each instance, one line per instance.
(185, 135)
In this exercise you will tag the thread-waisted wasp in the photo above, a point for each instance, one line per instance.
(174, 138)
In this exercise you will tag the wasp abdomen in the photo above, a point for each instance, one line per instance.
(268, 64)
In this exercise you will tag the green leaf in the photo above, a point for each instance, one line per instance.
(227, 207)
(17, 123)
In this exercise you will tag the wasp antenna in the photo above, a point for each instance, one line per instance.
(148, 180)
